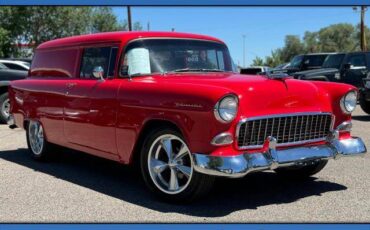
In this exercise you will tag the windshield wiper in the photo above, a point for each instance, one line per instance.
(196, 70)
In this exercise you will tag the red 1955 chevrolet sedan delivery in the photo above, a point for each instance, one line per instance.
(173, 104)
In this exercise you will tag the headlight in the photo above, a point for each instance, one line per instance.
(348, 102)
(226, 109)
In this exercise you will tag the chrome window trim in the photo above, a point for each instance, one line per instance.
(125, 45)
(282, 115)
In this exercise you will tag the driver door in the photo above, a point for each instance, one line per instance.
(86, 123)
(357, 70)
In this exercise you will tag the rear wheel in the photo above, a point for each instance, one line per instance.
(168, 169)
(302, 171)
(4, 108)
(38, 146)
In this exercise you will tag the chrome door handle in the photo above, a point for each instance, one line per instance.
(70, 85)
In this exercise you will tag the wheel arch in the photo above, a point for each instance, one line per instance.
(147, 127)
(3, 89)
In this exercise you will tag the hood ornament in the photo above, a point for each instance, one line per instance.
(277, 76)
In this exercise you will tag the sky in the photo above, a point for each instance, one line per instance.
(264, 27)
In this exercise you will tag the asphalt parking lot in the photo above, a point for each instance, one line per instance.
(76, 187)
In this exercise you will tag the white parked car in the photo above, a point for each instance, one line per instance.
(254, 70)
(16, 65)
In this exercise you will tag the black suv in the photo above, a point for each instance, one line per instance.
(350, 68)
(303, 62)
(365, 95)
(7, 75)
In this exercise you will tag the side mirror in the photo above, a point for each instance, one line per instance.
(123, 71)
(98, 72)
(347, 66)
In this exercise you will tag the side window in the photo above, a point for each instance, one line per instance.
(104, 57)
(14, 66)
(357, 60)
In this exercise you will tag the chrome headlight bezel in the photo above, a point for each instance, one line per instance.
(348, 102)
(219, 114)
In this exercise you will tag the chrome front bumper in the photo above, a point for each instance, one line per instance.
(271, 158)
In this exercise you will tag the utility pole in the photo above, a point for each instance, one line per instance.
(148, 26)
(363, 36)
(173, 29)
(362, 27)
(243, 50)
(129, 18)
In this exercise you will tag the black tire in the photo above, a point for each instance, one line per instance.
(299, 172)
(365, 105)
(4, 99)
(47, 149)
(199, 185)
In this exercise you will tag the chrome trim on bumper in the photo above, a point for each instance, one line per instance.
(271, 158)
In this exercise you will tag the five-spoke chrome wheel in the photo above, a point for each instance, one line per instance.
(36, 137)
(170, 164)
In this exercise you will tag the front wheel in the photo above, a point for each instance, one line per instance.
(302, 171)
(168, 168)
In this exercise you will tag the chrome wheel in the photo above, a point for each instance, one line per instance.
(5, 107)
(36, 137)
(170, 164)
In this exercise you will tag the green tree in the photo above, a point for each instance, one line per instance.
(342, 37)
(311, 42)
(104, 20)
(5, 45)
(274, 59)
(257, 61)
(34, 25)
(337, 38)
(292, 47)
(357, 37)
(137, 26)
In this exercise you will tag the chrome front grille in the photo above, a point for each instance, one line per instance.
(287, 129)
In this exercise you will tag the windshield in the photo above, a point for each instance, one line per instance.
(150, 56)
(333, 61)
(3, 66)
(296, 62)
(26, 64)
(314, 60)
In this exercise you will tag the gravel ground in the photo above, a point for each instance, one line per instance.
(76, 187)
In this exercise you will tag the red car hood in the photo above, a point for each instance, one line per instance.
(258, 95)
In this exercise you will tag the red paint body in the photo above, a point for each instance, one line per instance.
(105, 118)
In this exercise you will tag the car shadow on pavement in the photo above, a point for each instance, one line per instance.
(361, 117)
(125, 183)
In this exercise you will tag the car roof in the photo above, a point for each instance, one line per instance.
(119, 37)
(258, 66)
(319, 54)
(359, 52)
(11, 61)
